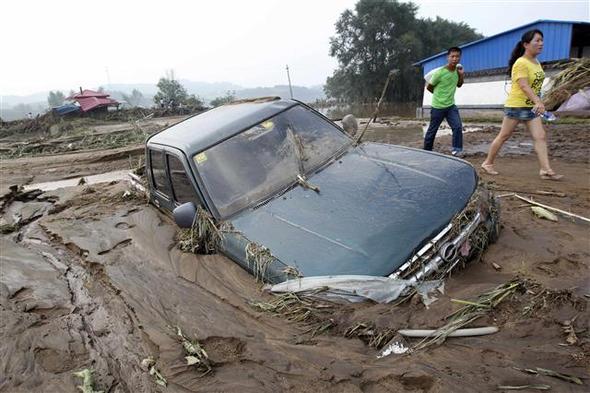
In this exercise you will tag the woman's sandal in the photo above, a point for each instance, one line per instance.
(489, 169)
(549, 175)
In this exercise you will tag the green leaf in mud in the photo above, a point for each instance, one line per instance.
(197, 356)
(543, 213)
(160, 380)
(190, 360)
(87, 383)
(149, 364)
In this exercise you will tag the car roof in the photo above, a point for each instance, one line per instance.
(206, 129)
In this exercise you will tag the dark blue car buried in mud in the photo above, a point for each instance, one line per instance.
(276, 179)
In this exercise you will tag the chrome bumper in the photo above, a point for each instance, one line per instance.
(450, 251)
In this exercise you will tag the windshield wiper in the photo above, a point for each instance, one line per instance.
(303, 182)
(300, 154)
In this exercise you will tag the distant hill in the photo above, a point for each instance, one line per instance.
(305, 94)
(15, 107)
(10, 101)
(127, 88)
(208, 91)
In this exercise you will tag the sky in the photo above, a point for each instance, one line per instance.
(63, 44)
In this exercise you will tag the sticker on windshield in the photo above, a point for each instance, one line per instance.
(267, 124)
(200, 158)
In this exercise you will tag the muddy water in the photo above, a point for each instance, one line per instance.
(414, 136)
(395, 135)
(407, 110)
(92, 179)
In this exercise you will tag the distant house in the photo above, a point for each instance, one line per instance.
(90, 100)
(485, 62)
(66, 108)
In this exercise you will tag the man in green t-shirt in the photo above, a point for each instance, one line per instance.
(442, 85)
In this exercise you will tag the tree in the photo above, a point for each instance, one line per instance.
(440, 34)
(227, 98)
(134, 99)
(170, 93)
(55, 98)
(194, 103)
(382, 35)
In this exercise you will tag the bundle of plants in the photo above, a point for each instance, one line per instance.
(471, 311)
(370, 334)
(203, 237)
(574, 77)
(195, 353)
(314, 314)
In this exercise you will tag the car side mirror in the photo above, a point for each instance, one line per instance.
(184, 215)
(350, 124)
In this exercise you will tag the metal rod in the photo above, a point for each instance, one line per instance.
(389, 77)
(289, 78)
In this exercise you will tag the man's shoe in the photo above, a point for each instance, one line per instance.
(458, 153)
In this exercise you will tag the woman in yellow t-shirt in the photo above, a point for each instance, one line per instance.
(524, 103)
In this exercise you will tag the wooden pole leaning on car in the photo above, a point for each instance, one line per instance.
(389, 78)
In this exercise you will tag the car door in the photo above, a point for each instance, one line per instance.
(171, 181)
(181, 183)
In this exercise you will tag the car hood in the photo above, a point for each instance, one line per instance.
(377, 205)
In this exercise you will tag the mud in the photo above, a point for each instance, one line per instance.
(92, 278)
(73, 148)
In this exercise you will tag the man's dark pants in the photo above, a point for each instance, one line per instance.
(436, 117)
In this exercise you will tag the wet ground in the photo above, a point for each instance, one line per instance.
(91, 277)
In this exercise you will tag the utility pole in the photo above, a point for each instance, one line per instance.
(106, 69)
(289, 78)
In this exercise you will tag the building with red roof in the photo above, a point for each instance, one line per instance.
(90, 100)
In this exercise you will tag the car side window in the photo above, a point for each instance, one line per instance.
(181, 185)
(159, 172)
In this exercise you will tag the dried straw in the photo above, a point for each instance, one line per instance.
(315, 314)
(471, 311)
(258, 258)
(205, 236)
(575, 76)
(370, 334)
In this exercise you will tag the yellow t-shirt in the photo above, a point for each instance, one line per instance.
(524, 68)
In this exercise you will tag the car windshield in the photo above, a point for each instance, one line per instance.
(266, 158)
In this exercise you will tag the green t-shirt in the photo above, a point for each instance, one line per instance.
(445, 84)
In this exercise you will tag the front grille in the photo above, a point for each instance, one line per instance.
(428, 260)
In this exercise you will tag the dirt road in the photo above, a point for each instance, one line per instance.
(92, 278)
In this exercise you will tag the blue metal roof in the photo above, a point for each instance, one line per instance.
(494, 51)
